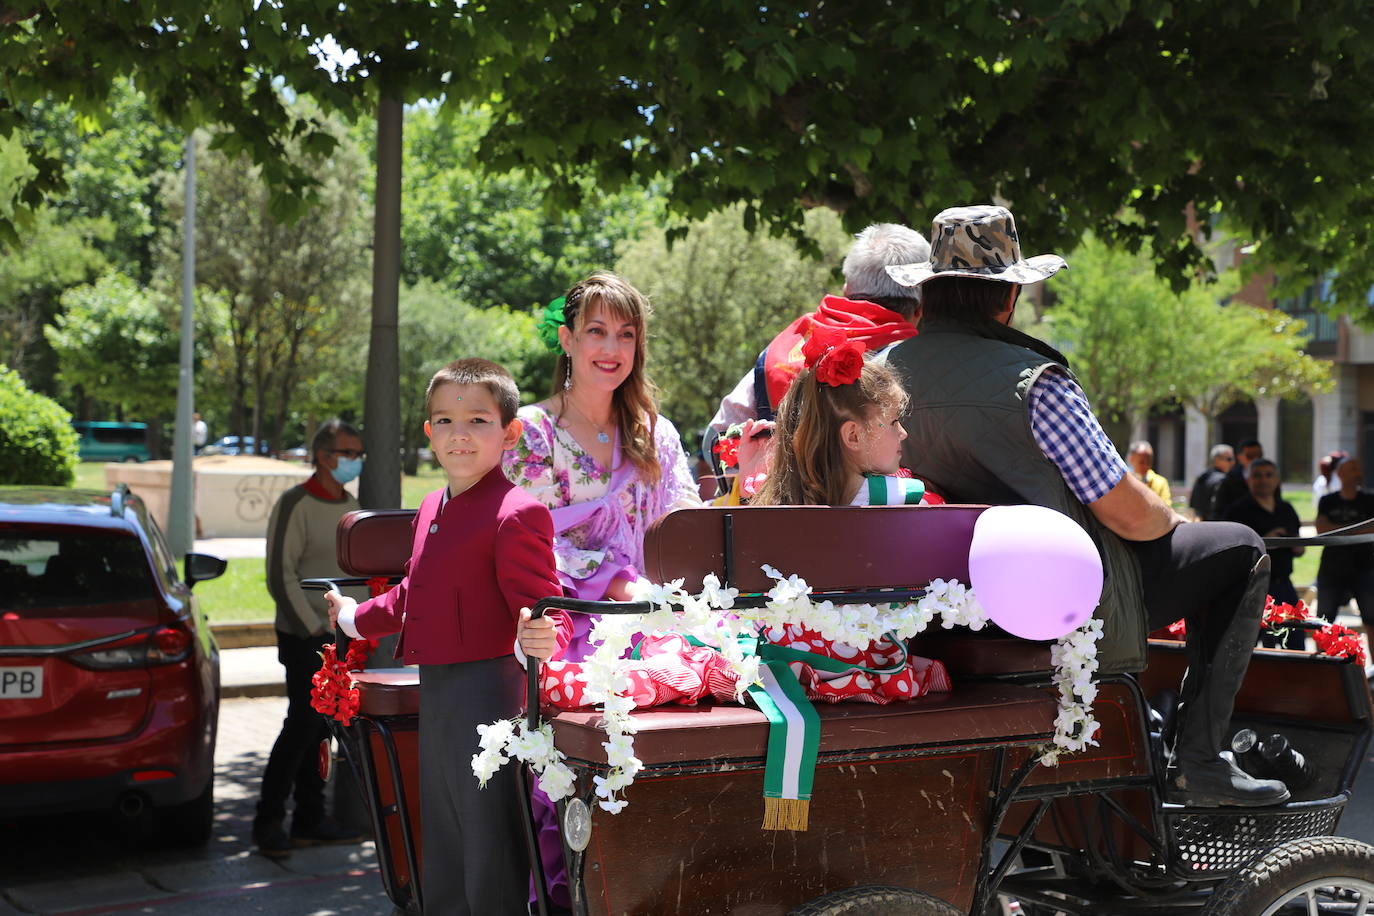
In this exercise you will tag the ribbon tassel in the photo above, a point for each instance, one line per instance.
(794, 737)
(786, 813)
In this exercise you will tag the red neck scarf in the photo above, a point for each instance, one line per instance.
(875, 326)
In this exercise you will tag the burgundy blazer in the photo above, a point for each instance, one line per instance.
(472, 567)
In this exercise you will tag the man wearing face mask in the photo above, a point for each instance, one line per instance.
(301, 544)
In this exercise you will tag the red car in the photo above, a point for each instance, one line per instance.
(109, 674)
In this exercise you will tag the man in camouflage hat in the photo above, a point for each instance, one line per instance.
(996, 417)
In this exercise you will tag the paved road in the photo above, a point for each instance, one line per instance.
(81, 866)
(89, 865)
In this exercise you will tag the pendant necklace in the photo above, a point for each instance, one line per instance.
(601, 435)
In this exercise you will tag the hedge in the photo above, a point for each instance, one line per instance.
(38, 445)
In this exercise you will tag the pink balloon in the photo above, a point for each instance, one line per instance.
(1035, 571)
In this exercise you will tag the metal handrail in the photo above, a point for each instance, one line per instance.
(1349, 536)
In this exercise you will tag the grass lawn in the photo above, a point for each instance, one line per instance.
(1305, 566)
(90, 475)
(413, 489)
(240, 595)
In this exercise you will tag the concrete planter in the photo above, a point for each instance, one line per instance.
(234, 494)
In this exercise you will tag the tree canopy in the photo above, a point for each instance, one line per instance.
(489, 237)
(115, 344)
(1069, 110)
(1136, 345)
(720, 294)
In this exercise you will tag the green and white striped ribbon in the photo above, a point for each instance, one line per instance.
(894, 491)
(794, 730)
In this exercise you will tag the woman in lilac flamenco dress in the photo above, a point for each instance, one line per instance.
(606, 464)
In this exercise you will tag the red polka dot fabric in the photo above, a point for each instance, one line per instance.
(671, 670)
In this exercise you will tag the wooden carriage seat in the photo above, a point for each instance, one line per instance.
(844, 548)
(976, 714)
(834, 549)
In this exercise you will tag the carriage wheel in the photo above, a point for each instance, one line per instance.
(876, 900)
(1314, 875)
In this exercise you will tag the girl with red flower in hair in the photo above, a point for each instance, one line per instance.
(838, 440)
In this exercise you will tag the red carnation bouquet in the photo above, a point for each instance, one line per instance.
(727, 446)
(1278, 615)
(334, 693)
(1340, 642)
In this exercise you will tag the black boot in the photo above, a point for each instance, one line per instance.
(1198, 775)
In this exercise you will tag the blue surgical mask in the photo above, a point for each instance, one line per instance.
(347, 469)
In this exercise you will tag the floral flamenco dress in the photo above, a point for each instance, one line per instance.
(600, 516)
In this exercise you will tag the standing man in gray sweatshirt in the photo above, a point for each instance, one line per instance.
(301, 544)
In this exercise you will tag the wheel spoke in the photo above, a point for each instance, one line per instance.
(1312, 903)
(1364, 905)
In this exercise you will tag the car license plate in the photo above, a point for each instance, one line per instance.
(21, 683)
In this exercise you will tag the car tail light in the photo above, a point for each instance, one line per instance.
(167, 645)
(164, 646)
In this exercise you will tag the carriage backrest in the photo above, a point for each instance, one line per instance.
(833, 549)
(374, 542)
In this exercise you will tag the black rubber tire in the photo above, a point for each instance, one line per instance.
(876, 900)
(1285, 868)
(191, 823)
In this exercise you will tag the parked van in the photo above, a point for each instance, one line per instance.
(101, 441)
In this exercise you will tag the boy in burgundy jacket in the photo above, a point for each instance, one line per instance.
(482, 550)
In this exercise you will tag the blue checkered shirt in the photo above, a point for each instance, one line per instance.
(1068, 433)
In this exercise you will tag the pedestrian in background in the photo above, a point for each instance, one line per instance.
(1141, 458)
(1270, 516)
(200, 432)
(1325, 481)
(1205, 487)
(301, 544)
(1233, 487)
(1346, 572)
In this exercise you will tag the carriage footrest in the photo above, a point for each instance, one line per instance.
(1218, 841)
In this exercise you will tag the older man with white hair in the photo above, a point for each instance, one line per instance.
(874, 309)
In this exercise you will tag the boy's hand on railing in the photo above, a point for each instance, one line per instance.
(536, 637)
(337, 602)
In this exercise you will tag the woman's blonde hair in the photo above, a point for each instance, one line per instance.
(635, 402)
(808, 466)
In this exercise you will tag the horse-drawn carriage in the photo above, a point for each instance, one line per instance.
(938, 805)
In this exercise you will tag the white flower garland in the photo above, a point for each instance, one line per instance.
(703, 617)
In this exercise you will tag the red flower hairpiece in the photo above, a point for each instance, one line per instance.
(836, 359)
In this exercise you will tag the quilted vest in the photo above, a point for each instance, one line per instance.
(969, 439)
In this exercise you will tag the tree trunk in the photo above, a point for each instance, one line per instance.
(380, 486)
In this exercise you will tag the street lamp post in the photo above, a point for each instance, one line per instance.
(181, 523)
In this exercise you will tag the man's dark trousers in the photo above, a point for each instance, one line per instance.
(294, 762)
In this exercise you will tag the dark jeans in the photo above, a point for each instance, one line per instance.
(1198, 573)
(1335, 590)
(294, 762)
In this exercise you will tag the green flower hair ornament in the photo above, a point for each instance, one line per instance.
(549, 324)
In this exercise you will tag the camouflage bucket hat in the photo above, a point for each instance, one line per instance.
(978, 242)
